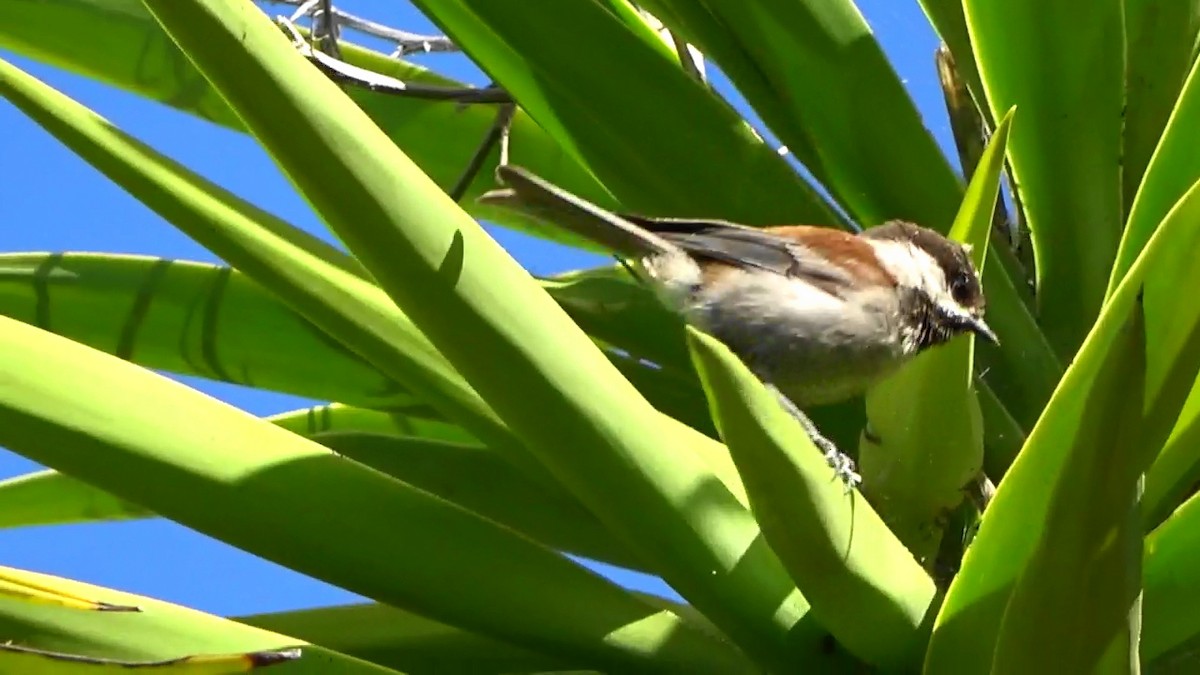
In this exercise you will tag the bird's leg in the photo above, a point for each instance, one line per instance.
(843, 466)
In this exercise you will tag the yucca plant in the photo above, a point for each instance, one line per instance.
(484, 423)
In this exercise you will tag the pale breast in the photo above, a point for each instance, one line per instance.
(816, 347)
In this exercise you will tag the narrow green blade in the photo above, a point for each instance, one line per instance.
(480, 481)
(964, 638)
(598, 88)
(1023, 369)
(210, 321)
(398, 639)
(1073, 598)
(1160, 43)
(612, 306)
(579, 418)
(119, 43)
(1003, 437)
(864, 585)
(263, 489)
(863, 139)
(325, 286)
(156, 631)
(339, 417)
(189, 318)
(472, 477)
(1173, 476)
(1172, 582)
(1063, 64)
(50, 498)
(1171, 170)
(926, 417)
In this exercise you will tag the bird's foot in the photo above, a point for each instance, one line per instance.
(843, 467)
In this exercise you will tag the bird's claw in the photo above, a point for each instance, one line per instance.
(842, 465)
(843, 468)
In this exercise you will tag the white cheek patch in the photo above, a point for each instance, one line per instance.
(915, 268)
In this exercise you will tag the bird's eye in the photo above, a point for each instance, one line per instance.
(960, 288)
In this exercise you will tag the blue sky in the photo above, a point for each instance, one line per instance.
(53, 201)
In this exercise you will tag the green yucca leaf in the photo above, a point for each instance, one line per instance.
(1041, 490)
(615, 308)
(326, 287)
(16, 659)
(863, 139)
(158, 443)
(613, 100)
(1172, 585)
(50, 498)
(1170, 171)
(1174, 475)
(1085, 569)
(470, 476)
(118, 42)
(1160, 42)
(637, 24)
(1023, 369)
(482, 482)
(336, 417)
(579, 418)
(210, 321)
(157, 631)
(405, 641)
(1003, 437)
(863, 583)
(1063, 63)
(926, 415)
(192, 319)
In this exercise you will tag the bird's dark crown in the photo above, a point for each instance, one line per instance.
(951, 256)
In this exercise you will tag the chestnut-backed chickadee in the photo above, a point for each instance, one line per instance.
(818, 314)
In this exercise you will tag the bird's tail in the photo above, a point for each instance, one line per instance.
(533, 196)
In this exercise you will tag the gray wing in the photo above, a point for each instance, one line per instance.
(743, 246)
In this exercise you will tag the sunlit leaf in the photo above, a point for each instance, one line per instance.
(914, 474)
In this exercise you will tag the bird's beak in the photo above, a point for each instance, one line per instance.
(963, 321)
(981, 329)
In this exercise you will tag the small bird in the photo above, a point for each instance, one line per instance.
(818, 314)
